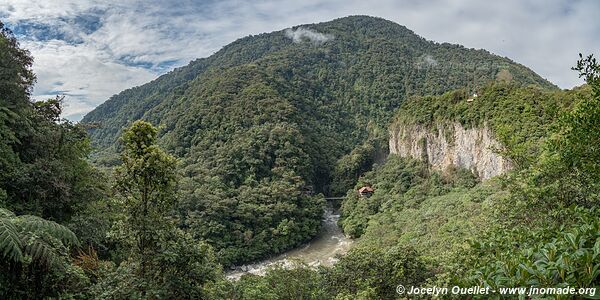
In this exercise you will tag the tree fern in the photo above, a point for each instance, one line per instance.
(5, 213)
(10, 243)
(33, 236)
(40, 249)
(36, 224)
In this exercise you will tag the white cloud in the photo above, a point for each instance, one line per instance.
(81, 74)
(427, 61)
(300, 34)
(136, 38)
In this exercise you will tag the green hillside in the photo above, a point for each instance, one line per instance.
(537, 225)
(234, 153)
(267, 117)
(366, 68)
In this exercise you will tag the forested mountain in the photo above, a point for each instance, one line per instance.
(265, 119)
(537, 225)
(361, 65)
(227, 160)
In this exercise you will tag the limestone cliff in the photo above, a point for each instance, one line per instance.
(451, 145)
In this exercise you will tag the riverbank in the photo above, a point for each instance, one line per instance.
(324, 250)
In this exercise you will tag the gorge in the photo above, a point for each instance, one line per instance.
(190, 185)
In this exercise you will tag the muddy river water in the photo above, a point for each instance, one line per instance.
(322, 250)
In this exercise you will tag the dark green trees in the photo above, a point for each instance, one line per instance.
(42, 160)
(262, 122)
(163, 261)
(250, 199)
(43, 173)
(16, 78)
(146, 181)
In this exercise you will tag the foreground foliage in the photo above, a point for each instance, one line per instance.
(36, 251)
(163, 262)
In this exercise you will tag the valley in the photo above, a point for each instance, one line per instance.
(323, 250)
(450, 167)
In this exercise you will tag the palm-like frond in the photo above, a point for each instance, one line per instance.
(36, 224)
(10, 244)
(34, 236)
(40, 250)
(5, 213)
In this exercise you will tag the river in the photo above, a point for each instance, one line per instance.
(322, 250)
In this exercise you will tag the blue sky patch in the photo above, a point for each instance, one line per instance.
(37, 31)
(86, 23)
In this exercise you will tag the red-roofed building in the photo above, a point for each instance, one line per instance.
(366, 191)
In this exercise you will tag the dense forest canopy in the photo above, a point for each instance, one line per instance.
(360, 74)
(266, 119)
(43, 161)
(45, 180)
(227, 160)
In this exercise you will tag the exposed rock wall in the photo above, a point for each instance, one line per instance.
(473, 148)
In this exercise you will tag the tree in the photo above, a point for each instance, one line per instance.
(42, 158)
(570, 166)
(44, 177)
(146, 180)
(52, 178)
(375, 272)
(589, 68)
(16, 78)
(182, 270)
(164, 262)
(299, 282)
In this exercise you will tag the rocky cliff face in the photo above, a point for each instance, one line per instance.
(451, 145)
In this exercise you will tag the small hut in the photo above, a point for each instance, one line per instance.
(366, 191)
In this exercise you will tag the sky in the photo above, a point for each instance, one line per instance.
(88, 50)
